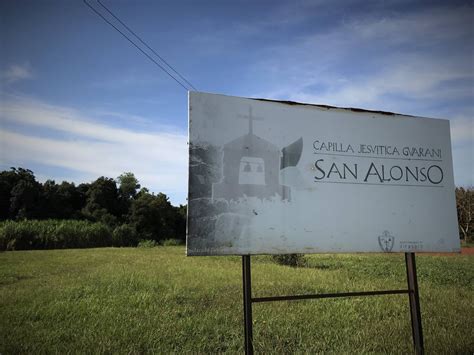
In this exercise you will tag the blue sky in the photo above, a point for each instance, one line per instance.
(78, 101)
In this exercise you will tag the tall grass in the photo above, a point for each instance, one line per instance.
(156, 300)
(53, 234)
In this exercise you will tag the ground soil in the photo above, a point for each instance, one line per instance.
(464, 251)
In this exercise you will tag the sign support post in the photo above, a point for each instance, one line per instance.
(247, 292)
(412, 292)
(414, 297)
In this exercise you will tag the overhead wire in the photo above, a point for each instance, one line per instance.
(138, 47)
(145, 44)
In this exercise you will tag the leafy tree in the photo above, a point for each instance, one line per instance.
(180, 221)
(8, 179)
(24, 195)
(81, 196)
(465, 207)
(72, 200)
(143, 191)
(152, 216)
(128, 185)
(102, 203)
(62, 201)
(51, 206)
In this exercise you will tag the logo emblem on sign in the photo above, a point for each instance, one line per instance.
(386, 241)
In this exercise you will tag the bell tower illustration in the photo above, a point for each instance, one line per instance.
(251, 167)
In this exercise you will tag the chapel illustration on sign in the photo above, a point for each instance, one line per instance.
(251, 166)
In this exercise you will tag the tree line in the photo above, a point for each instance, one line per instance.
(120, 204)
(118, 212)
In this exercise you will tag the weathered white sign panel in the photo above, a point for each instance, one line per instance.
(268, 177)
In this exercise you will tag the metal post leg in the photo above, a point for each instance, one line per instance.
(247, 293)
(413, 295)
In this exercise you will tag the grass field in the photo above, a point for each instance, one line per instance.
(157, 300)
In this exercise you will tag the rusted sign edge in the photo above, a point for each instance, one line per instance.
(328, 107)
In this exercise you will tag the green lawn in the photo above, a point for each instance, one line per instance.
(157, 300)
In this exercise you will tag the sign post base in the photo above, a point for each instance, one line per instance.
(412, 292)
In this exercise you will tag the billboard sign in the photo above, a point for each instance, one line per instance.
(271, 177)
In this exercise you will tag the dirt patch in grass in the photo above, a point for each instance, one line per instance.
(464, 251)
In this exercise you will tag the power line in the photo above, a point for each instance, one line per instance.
(144, 43)
(135, 45)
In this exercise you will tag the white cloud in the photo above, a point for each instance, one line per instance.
(462, 137)
(463, 165)
(462, 131)
(158, 159)
(17, 72)
(358, 63)
(422, 26)
(125, 81)
(418, 81)
(417, 62)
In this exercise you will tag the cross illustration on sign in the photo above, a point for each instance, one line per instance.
(251, 118)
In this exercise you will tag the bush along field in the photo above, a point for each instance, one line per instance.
(54, 234)
(63, 234)
(154, 299)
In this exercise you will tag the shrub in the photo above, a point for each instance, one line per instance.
(16, 236)
(172, 242)
(68, 235)
(124, 236)
(97, 235)
(3, 240)
(53, 234)
(147, 243)
(293, 260)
